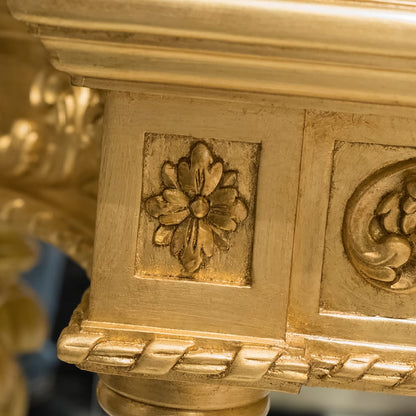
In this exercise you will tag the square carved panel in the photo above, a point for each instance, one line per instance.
(352, 276)
(197, 213)
(365, 245)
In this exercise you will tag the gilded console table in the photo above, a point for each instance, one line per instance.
(256, 206)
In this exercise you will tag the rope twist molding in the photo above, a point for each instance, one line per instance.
(280, 368)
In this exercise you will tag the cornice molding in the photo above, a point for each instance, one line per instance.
(351, 51)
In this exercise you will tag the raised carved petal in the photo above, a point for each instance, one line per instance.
(205, 175)
(223, 197)
(205, 238)
(170, 175)
(223, 222)
(157, 206)
(179, 236)
(191, 256)
(200, 159)
(229, 178)
(221, 239)
(185, 178)
(163, 235)
(176, 197)
(212, 178)
(239, 211)
(174, 218)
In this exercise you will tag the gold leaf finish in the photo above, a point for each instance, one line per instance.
(198, 207)
(379, 227)
(279, 366)
(57, 152)
(256, 196)
(59, 143)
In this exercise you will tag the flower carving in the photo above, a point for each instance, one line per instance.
(198, 208)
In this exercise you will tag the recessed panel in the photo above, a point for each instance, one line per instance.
(197, 212)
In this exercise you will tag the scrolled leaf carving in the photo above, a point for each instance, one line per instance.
(379, 230)
(49, 163)
(59, 142)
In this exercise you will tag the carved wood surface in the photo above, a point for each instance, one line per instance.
(256, 202)
(272, 366)
(379, 226)
(49, 166)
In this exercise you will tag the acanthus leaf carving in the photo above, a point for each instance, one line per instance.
(379, 230)
(59, 141)
(49, 162)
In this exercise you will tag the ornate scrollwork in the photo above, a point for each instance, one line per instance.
(198, 207)
(379, 229)
(49, 163)
(58, 142)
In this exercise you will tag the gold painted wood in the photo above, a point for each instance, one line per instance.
(289, 47)
(56, 152)
(255, 209)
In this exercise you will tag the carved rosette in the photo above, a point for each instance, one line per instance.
(198, 207)
(379, 229)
